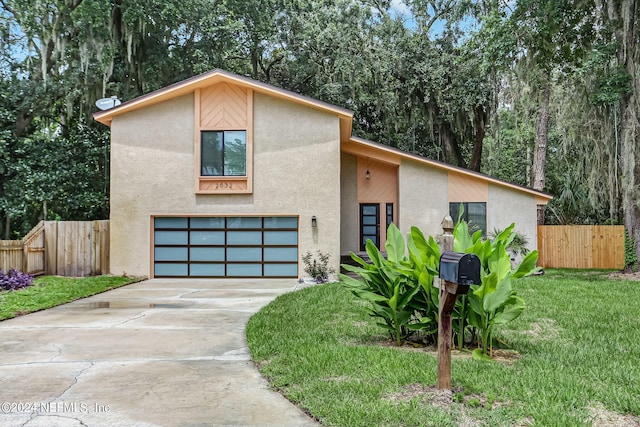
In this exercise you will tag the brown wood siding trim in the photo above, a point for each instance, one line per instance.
(360, 150)
(196, 141)
(223, 107)
(465, 189)
(380, 188)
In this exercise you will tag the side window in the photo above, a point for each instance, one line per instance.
(223, 153)
(474, 213)
(389, 214)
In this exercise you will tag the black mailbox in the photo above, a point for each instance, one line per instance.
(461, 269)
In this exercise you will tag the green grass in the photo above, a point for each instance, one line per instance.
(49, 291)
(578, 342)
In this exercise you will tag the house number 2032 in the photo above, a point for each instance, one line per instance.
(224, 186)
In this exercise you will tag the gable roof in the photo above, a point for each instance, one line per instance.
(212, 77)
(350, 144)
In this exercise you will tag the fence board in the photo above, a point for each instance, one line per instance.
(34, 246)
(11, 254)
(581, 246)
(51, 247)
(101, 244)
(65, 248)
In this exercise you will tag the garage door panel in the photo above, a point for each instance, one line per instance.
(244, 222)
(207, 270)
(171, 222)
(207, 237)
(207, 223)
(207, 254)
(244, 270)
(171, 254)
(171, 269)
(281, 270)
(281, 222)
(280, 237)
(171, 237)
(281, 254)
(244, 237)
(244, 254)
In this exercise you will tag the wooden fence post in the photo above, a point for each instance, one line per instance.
(446, 303)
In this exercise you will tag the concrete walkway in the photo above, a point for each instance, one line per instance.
(155, 353)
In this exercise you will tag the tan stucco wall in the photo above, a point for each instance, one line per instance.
(349, 208)
(423, 198)
(296, 171)
(506, 206)
(151, 167)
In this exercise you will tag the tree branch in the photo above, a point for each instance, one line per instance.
(8, 9)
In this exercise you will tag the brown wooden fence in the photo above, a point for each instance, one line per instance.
(64, 248)
(581, 246)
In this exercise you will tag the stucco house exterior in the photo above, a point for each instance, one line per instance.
(223, 176)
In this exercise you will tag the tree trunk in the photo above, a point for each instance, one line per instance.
(452, 152)
(542, 127)
(480, 122)
(540, 153)
(623, 17)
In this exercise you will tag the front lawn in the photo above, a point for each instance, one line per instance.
(49, 291)
(575, 360)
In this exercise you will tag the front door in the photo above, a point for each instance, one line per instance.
(369, 224)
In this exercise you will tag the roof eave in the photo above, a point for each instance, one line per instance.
(541, 196)
(212, 77)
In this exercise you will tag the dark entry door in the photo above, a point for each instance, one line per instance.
(369, 224)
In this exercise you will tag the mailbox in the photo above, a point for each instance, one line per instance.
(460, 269)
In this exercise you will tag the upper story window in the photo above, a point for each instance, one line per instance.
(223, 153)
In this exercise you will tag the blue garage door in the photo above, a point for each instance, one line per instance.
(226, 246)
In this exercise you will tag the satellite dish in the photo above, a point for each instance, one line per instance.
(106, 103)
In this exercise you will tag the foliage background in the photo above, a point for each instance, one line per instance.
(537, 92)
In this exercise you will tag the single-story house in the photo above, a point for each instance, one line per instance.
(220, 175)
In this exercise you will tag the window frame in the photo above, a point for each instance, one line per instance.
(389, 214)
(465, 216)
(223, 144)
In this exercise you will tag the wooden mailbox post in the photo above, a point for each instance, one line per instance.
(457, 272)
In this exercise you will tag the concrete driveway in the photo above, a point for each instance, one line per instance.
(155, 353)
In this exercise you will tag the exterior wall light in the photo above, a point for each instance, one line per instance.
(367, 174)
(314, 221)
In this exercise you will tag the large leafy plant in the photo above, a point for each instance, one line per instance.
(402, 297)
(399, 288)
(494, 301)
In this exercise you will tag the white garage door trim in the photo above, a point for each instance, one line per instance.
(225, 246)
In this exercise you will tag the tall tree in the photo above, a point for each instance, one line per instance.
(554, 34)
(58, 57)
(622, 18)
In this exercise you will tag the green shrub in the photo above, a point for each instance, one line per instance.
(319, 268)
